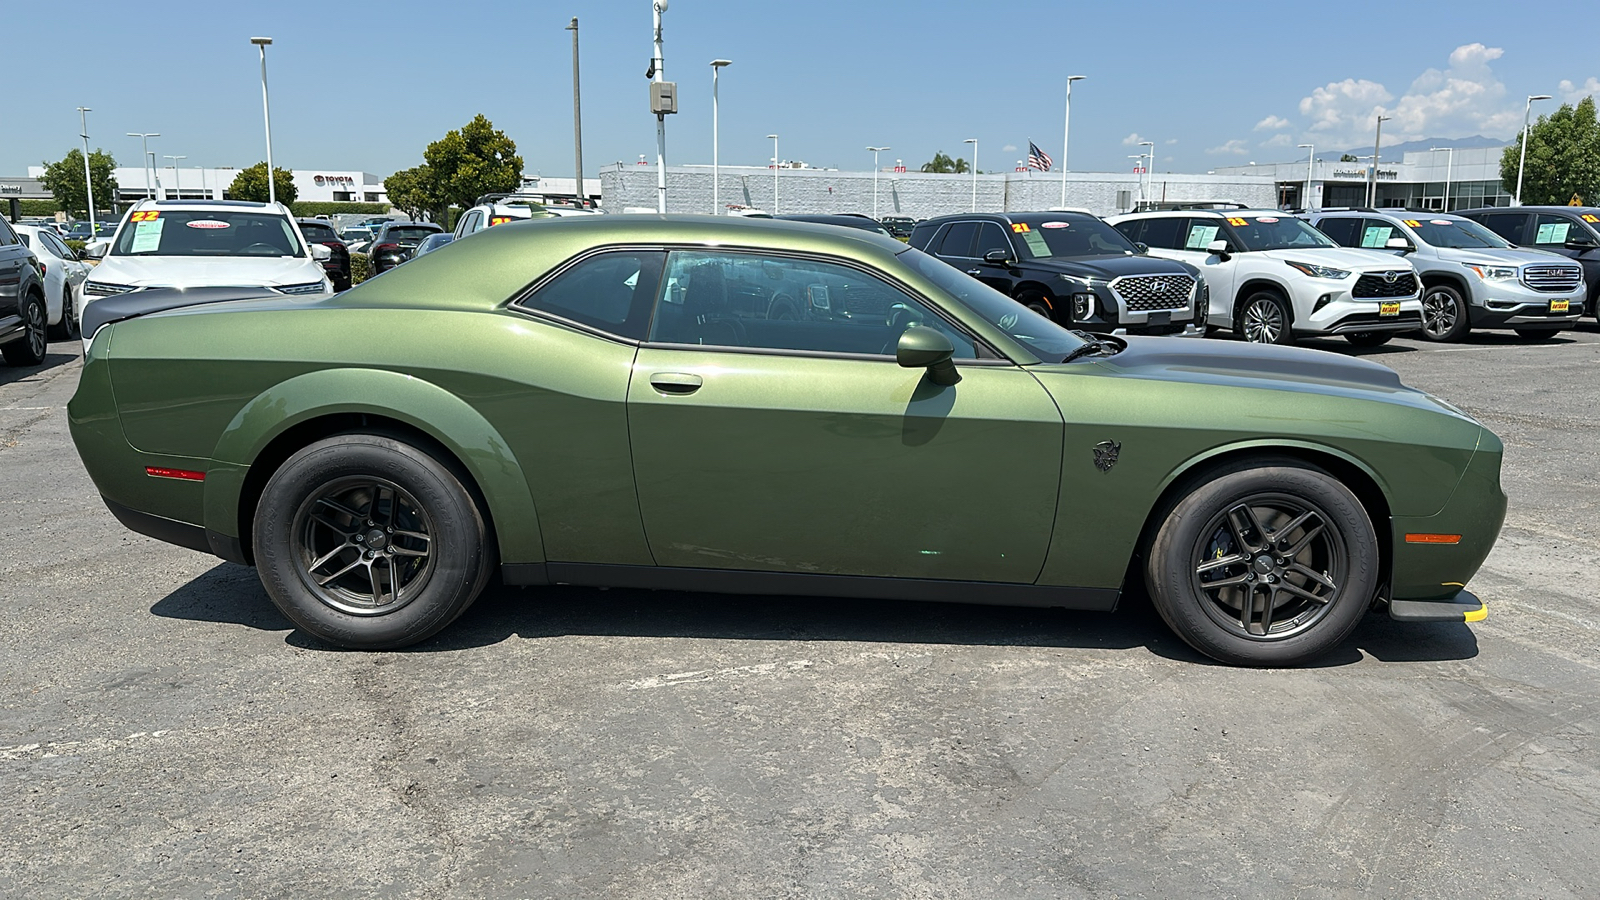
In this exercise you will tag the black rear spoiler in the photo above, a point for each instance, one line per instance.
(134, 304)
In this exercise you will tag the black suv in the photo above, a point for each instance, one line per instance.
(22, 311)
(1072, 268)
(394, 243)
(1572, 231)
(337, 265)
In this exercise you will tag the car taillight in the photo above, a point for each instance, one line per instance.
(382, 247)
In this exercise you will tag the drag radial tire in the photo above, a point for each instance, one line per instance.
(1265, 562)
(369, 543)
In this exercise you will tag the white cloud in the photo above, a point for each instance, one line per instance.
(1132, 140)
(1341, 108)
(1572, 93)
(1277, 140)
(1235, 146)
(1006, 149)
(1169, 142)
(1272, 123)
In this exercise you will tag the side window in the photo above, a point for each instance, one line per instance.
(1164, 232)
(55, 245)
(958, 239)
(610, 291)
(1376, 232)
(755, 301)
(1551, 230)
(7, 236)
(1507, 225)
(468, 223)
(1132, 230)
(1340, 230)
(992, 237)
(1199, 233)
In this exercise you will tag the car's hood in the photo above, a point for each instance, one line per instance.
(203, 271)
(1108, 267)
(1342, 258)
(1497, 256)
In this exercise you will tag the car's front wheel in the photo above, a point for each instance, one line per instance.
(1267, 563)
(1264, 319)
(370, 543)
(1444, 314)
(29, 349)
(67, 329)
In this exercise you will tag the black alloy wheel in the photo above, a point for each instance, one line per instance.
(1444, 314)
(29, 350)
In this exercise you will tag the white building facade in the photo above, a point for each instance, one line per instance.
(203, 183)
(1417, 180)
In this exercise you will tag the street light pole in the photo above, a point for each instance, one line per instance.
(177, 173)
(974, 143)
(577, 115)
(1066, 132)
(266, 114)
(1146, 187)
(1311, 160)
(1449, 161)
(1139, 183)
(775, 163)
(1523, 161)
(875, 179)
(1372, 182)
(658, 72)
(88, 179)
(717, 66)
(149, 193)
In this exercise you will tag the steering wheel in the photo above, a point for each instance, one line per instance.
(262, 249)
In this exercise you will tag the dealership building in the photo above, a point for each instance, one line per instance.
(201, 183)
(1420, 179)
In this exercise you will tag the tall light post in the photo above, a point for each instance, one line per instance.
(1372, 180)
(775, 165)
(660, 104)
(1523, 161)
(150, 163)
(875, 151)
(717, 65)
(88, 179)
(974, 143)
(149, 187)
(177, 174)
(1146, 186)
(1449, 161)
(1066, 132)
(1311, 161)
(266, 114)
(1140, 178)
(577, 115)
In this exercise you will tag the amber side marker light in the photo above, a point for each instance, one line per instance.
(1433, 538)
(180, 474)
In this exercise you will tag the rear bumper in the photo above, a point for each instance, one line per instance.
(182, 534)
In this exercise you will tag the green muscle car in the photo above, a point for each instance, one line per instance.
(767, 407)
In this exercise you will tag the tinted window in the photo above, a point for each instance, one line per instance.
(609, 291)
(1198, 234)
(1551, 230)
(1462, 234)
(317, 233)
(153, 232)
(776, 303)
(958, 239)
(55, 245)
(7, 236)
(1072, 236)
(1375, 233)
(1047, 340)
(1507, 225)
(1271, 232)
(992, 237)
(1342, 231)
(408, 233)
(469, 223)
(1164, 232)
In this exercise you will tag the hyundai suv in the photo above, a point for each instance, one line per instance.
(1071, 268)
(1274, 278)
(1471, 277)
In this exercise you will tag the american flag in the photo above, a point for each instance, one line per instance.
(1038, 159)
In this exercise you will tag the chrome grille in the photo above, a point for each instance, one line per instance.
(1552, 279)
(1378, 284)
(1143, 293)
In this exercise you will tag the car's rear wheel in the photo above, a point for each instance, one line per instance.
(29, 349)
(1266, 563)
(1537, 334)
(68, 329)
(370, 543)
(1369, 338)
(1264, 319)
(1444, 314)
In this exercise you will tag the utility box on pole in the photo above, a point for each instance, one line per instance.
(663, 97)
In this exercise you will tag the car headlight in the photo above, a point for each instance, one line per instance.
(106, 289)
(1493, 273)
(1316, 271)
(310, 287)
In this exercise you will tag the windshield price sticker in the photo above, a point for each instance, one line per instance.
(144, 215)
(147, 235)
(1413, 223)
(1020, 228)
(1266, 220)
(1553, 233)
(208, 223)
(1237, 223)
(1036, 244)
(500, 220)
(1440, 222)
(1069, 224)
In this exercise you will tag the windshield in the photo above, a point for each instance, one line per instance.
(415, 233)
(1071, 236)
(1277, 233)
(1048, 341)
(318, 233)
(159, 232)
(1461, 234)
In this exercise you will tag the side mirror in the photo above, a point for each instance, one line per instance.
(1581, 242)
(1142, 247)
(997, 257)
(96, 250)
(321, 252)
(1398, 243)
(921, 347)
(1218, 248)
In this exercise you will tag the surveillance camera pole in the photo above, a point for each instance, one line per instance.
(657, 67)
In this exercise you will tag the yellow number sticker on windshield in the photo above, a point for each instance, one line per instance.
(1412, 222)
(144, 215)
(500, 220)
(1237, 223)
(1590, 218)
(1020, 228)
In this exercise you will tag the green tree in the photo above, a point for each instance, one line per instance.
(64, 179)
(1348, 157)
(473, 161)
(251, 184)
(413, 191)
(943, 163)
(1563, 158)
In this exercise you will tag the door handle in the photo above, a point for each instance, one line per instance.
(974, 272)
(675, 382)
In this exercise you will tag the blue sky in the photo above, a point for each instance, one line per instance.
(363, 86)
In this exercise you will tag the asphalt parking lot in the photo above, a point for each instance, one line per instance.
(164, 732)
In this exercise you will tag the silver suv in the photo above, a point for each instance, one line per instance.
(1471, 277)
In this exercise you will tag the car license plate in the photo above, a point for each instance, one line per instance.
(1559, 305)
(1389, 308)
(1159, 318)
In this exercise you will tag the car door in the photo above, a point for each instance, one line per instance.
(798, 445)
(13, 259)
(1512, 226)
(1000, 276)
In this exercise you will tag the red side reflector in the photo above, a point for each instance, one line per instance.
(1433, 538)
(181, 474)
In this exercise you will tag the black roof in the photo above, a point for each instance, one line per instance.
(1592, 210)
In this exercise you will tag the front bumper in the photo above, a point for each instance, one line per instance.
(1336, 312)
(1435, 556)
(1510, 304)
(1463, 607)
(1111, 315)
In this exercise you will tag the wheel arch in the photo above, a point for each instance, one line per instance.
(1259, 283)
(309, 407)
(1451, 280)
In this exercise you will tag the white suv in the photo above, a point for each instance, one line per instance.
(1273, 277)
(498, 209)
(207, 243)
